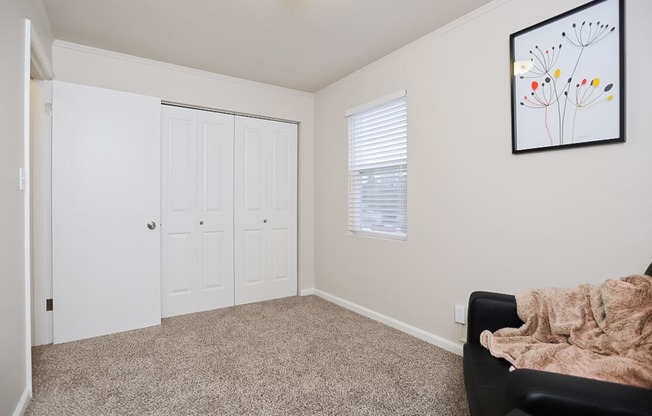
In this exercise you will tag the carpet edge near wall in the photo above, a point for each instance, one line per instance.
(436, 340)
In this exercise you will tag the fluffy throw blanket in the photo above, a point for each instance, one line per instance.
(602, 331)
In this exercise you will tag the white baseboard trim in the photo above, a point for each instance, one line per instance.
(21, 408)
(307, 292)
(440, 342)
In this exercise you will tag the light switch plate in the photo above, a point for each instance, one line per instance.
(22, 179)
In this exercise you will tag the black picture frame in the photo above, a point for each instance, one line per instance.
(568, 79)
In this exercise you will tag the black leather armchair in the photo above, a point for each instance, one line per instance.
(492, 390)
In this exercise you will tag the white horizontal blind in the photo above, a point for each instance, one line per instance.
(378, 169)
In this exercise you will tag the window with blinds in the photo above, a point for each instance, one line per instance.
(378, 168)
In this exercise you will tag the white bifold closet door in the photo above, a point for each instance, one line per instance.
(265, 210)
(197, 199)
(105, 207)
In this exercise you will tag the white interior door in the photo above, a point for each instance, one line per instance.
(197, 199)
(265, 210)
(105, 191)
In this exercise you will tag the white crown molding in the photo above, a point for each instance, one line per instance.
(172, 67)
(432, 35)
(39, 57)
(454, 347)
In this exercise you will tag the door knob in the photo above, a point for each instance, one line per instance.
(151, 225)
(264, 221)
(201, 222)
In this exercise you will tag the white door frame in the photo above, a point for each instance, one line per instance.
(24, 186)
(41, 192)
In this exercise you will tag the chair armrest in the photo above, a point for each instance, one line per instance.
(544, 393)
(492, 311)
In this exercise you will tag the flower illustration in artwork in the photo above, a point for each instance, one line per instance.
(549, 91)
(543, 61)
(588, 93)
(543, 95)
(588, 35)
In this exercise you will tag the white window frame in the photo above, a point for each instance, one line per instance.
(387, 163)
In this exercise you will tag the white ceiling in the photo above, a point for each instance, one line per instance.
(300, 44)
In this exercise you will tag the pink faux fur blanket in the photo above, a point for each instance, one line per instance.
(595, 331)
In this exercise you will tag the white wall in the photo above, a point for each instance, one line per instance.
(15, 380)
(90, 66)
(480, 218)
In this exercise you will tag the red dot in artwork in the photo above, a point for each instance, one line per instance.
(547, 51)
(584, 81)
(535, 85)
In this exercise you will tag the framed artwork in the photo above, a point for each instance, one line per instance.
(568, 78)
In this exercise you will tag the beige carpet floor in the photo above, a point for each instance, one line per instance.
(293, 356)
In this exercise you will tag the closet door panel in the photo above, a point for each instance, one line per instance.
(280, 254)
(253, 256)
(179, 195)
(212, 175)
(212, 276)
(265, 210)
(180, 149)
(279, 169)
(283, 210)
(254, 166)
(179, 253)
(250, 205)
(215, 210)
